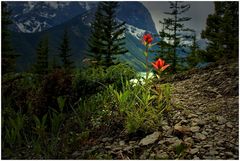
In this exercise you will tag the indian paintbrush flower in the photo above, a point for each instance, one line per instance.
(160, 66)
(147, 39)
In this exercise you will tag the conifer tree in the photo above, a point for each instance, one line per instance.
(95, 44)
(175, 31)
(110, 38)
(222, 32)
(8, 54)
(193, 57)
(41, 66)
(164, 51)
(65, 52)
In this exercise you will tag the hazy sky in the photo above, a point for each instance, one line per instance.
(198, 12)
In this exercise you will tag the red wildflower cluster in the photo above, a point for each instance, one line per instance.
(147, 38)
(160, 65)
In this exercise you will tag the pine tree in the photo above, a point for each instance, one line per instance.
(95, 45)
(65, 52)
(8, 54)
(41, 66)
(107, 39)
(193, 57)
(164, 51)
(222, 32)
(175, 32)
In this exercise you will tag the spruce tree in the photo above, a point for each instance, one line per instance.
(164, 51)
(175, 32)
(222, 32)
(41, 66)
(65, 52)
(8, 54)
(193, 57)
(110, 38)
(95, 44)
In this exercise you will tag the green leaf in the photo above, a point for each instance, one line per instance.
(145, 53)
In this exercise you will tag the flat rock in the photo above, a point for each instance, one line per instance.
(172, 140)
(192, 115)
(76, 154)
(229, 154)
(196, 157)
(107, 139)
(207, 146)
(144, 155)
(200, 136)
(127, 148)
(195, 129)
(213, 152)
(229, 125)
(221, 120)
(122, 142)
(150, 139)
(181, 129)
(201, 122)
(161, 142)
(165, 128)
(132, 142)
(189, 141)
(194, 151)
(162, 155)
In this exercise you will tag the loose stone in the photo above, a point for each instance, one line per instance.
(200, 136)
(162, 155)
(229, 154)
(229, 125)
(192, 116)
(122, 142)
(194, 151)
(150, 139)
(195, 129)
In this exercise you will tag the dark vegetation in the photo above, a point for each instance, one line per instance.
(54, 109)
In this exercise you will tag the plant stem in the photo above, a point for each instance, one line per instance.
(146, 62)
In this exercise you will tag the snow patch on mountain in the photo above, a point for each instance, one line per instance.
(57, 5)
(31, 26)
(46, 15)
(136, 32)
(21, 27)
(85, 5)
(28, 6)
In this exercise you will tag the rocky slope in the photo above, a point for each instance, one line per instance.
(203, 123)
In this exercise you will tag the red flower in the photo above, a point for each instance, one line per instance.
(147, 38)
(160, 64)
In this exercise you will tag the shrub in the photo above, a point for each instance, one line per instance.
(16, 89)
(55, 84)
(94, 79)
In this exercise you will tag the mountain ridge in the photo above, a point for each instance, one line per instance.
(44, 15)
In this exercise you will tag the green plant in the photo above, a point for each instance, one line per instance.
(141, 106)
(14, 130)
(163, 96)
(40, 126)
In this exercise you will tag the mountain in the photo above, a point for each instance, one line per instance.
(26, 37)
(33, 16)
